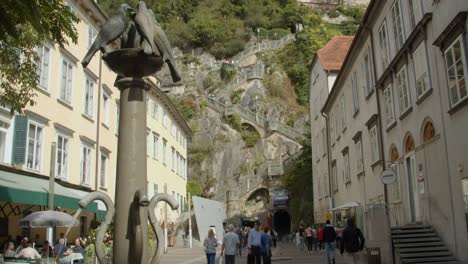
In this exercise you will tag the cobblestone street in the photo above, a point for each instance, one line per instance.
(284, 253)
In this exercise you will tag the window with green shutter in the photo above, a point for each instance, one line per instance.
(19, 139)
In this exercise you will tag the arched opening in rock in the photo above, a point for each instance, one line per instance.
(249, 134)
(282, 222)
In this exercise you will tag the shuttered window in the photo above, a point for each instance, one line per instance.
(19, 139)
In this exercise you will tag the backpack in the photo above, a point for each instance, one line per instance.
(352, 238)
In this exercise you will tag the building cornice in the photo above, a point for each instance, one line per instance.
(453, 29)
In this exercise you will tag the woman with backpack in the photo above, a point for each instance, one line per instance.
(352, 240)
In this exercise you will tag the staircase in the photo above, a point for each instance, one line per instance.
(420, 244)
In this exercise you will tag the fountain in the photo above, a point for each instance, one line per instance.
(143, 50)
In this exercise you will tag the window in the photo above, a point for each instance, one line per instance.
(85, 167)
(154, 112)
(117, 117)
(155, 188)
(88, 101)
(43, 66)
(334, 176)
(355, 93)
(397, 25)
(343, 112)
(3, 140)
(374, 141)
(383, 43)
(34, 148)
(164, 151)
(346, 172)
(173, 159)
(155, 146)
(105, 107)
(164, 119)
(359, 158)
(337, 121)
(177, 163)
(103, 172)
(61, 166)
(66, 81)
(91, 36)
(420, 68)
(173, 130)
(403, 91)
(148, 143)
(367, 70)
(394, 188)
(389, 109)
(455, 61)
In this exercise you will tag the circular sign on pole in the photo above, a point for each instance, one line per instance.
(388, 177)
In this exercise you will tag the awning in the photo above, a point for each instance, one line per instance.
(346, 206)
(24, 189)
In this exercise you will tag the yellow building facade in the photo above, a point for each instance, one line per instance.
(78, 110)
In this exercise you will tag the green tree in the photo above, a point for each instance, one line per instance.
(24, 26)
(194, 186)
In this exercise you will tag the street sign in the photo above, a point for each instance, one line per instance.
(388, 177)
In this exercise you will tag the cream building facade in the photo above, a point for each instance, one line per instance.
(78, 109)
(412, 121)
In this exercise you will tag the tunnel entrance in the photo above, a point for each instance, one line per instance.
(282, 222)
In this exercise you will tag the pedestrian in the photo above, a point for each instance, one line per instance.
(254, 245)
(314, 237)
(320, 237)
(273, 237)
(266, 246)
(352, 240)
(47, 250)
(210, 244)
(338, 236)
(329, 240)
(240, 236)
(230, 245)
(301, 238)
(308, 236)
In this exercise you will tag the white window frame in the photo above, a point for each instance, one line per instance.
(103, 168)
(117, 117)
(450, 52)
(4, 128)
(421, 70)
(384, 47)
(164, 151)
(172, 159)
(343, 112)
(173, 130)
(395, 188)
(332, 127)
(326, 184)
(92, 33)
(155, 188)
(155, 146)
(404, 98)
(164, 119)
(367, 71)
(89, 152)
(105, 107)
(63, 153)
(355, 92)
(148, 142)
(324, 142)
(88, 97)
(65, 93)
(346, 168)
(37, 155)
(398, 28)
(359, 156)
(334, 172)
(154, 110)
(374, 143)
(44, 61)
(389, 106)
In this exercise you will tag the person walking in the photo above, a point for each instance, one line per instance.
(308, 236)
(230, 245)
(241, 242)
(301, 238)
(320, 237)
(266, 246)
(329, 237)
(254, 245)
(314, 237)
(352, 240)
(210, 244)
(338, 232)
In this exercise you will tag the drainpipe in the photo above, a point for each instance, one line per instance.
(98, 121)
(332, 195)
(381, 141)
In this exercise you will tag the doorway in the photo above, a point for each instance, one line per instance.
(413, 194)
(282, 222)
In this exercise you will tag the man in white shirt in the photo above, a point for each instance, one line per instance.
(230, 244)
(254, 244)
(28, 252)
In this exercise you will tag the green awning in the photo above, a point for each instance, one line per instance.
(22, 189)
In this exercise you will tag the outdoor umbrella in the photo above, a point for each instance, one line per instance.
(48, 219)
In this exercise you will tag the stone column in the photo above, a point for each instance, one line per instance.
(131, 228)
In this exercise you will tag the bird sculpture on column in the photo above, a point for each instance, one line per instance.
(144, 23)
(111, 30)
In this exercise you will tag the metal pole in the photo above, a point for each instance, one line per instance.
(190, 219)
(50, 230)
(131, 228)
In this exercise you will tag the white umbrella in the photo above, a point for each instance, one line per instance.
(48, 219)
